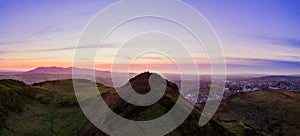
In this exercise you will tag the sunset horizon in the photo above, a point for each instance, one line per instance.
(141, 70)
(260, 41)
(149, 68)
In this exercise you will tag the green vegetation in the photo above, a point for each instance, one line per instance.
(274, 112)
(13, 97)
(38, 110)
(50, 108)
(142, 113)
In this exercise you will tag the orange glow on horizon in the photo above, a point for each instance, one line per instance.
(154, 66)
(28, 65)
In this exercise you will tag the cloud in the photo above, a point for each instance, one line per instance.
(49, 29)
(9, 42)
(74, 47)
(83, 13)
(28, 38)
(151, 58)
(262, 66)
(28, 59)
(261, 62)
(288, 41)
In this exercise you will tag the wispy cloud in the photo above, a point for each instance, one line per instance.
(259, 62)
(289, 57)
(287, 41)
(29, 38)
(5, 42)
(160, 58)
(59, 49)
(262, 66)
(81, 47)
(29, 59)
(83, 13)
(50, 29)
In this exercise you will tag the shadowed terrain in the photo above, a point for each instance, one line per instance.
(143, 113)
(51, 108)
(274, 112)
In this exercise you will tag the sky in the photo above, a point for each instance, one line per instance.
(258, 37)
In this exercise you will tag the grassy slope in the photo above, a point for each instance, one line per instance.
(188, 127)
(38, 110)
(13, 97)
(275, 112)
(50, 108)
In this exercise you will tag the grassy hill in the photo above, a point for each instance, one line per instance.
(38, 110)
(143, 113)
(50, 108)
(274, 112)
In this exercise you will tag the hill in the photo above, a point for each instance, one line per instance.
(142, 113)
(38, 110)
(51, 108)
(274, 112)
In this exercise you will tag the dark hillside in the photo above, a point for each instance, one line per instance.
(274, 112)
(36, 110)
(142, 113)
(51, 108)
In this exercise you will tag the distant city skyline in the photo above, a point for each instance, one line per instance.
(258, 37)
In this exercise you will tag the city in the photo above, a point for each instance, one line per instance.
(282, 83)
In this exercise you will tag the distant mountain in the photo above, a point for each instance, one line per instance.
(41, 74)
(61, 70)
(50, 70)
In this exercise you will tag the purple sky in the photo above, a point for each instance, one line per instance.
(258, 37)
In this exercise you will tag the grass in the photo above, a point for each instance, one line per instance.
(274, 112)
(50, 108)
(143, 113)
(43, 110)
